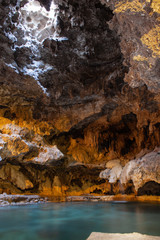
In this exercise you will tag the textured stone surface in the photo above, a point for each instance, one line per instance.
(56, 179)
(6, 199)
(24, 144)
(118, 236)
(112, 172)
(119, 198)
(90, 102)
(139, 172)
(142, 170)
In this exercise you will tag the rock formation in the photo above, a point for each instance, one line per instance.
(115, 236)
(79, 88)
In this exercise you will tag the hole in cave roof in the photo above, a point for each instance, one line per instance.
(39, 20)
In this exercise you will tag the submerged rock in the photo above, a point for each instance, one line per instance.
(8, 199)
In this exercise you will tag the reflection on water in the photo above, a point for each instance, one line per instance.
(70, 221)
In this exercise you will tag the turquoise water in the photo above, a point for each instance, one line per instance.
(75, 221)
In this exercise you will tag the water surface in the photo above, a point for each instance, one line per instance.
(75, 221)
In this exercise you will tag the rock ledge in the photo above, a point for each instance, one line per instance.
(115, 236)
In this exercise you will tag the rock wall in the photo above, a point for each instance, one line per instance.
(80, 81)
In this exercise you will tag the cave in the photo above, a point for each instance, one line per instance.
(79, 119)
(79, 92)
(150, 188)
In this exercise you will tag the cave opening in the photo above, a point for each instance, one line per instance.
(150, 188)
(29, 25)
(38, 23)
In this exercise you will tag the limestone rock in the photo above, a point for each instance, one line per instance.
(22, 143)
(142, 170)
(113, 171)
(139, 171)
(8, 199)
(113, 163)
(118, 236)
(16, 177)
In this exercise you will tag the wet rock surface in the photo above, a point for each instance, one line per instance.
(6, 199)
(55, 179)
(82, 84)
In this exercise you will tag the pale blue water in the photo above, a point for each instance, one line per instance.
(75, 221)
